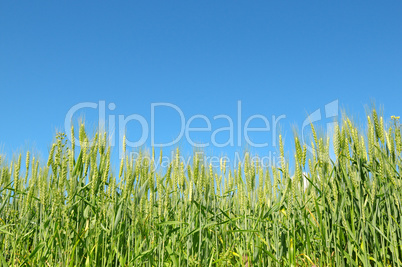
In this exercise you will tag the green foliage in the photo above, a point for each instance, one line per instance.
(76, 211)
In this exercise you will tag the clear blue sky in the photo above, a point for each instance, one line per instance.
(277, 57)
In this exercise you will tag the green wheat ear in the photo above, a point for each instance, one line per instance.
(336, 140)
(82, 135)
(17, 167)
(282, 152)
(27, 161)
(314, 134)
(72, 138)
(299, 152)
(382, 130)
(378, 129)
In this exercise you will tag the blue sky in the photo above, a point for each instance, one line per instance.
(276, 57)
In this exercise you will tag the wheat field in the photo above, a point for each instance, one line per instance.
(76, 209)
